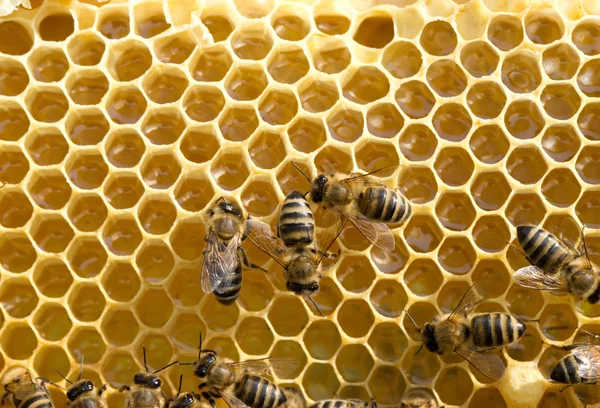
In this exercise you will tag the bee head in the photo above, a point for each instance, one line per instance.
(187, 399)
(226, 207)
(318, 188)
(147, 380)
(302, 289)
(79, 388)
(428, 337)
(205, 361)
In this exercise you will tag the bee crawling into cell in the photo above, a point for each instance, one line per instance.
(222, 259)
(146, 390)
(24, 391)
(240, 384)
(367, 203)
(82, 393)
(419, 397)
(297, 247)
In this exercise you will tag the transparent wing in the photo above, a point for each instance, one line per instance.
(219, 260)
(489, 365)
(366, 179)
(260, 234)
(335, 222)
(588, 359)
(278, 365)
(231, 400)
(22, 389)
(468, 302)
(577, 245)
(532, 277)
(377, 233)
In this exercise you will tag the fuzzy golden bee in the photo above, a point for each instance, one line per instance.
(556, 265)
(419, 397)
(24, 391)
(580, 366)
(365, 202)
(82, 393)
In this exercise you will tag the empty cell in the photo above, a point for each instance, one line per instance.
(48, 64)
(331, 160)
(561, 188)
(320, 381)
(129, 60)
(306, 133)
(164, 84)
(86, 302)
(15, 38)
(87, 87)
(488, 397)
(345, 124)
(415, 99)
(371, 156)
(331, 57)
(492, 273)
(14, 122)
(184, 331)
(238, 123)
(526, 164)
(322, 339)
(48, 104)
(229, 170)
(366, 84)
(354, 362)
(457, 255)
(355, 274)
(200, 144)
(560, 101)
(353, 239)
(15, 209)
(455, 211)
(355, 318)
(524, 209)
(219, 26)
(421, 312)
(163, 126)
(388, 297)
(87, 170)
(51, 233)
(290, 179)
(18, 341)
(452, 122)
(174, 49)
(256, 293)
(561, 316)
(588, 79)
(193, 192)
(267, 149)
(523, 119)
(505, 32)
(49, 189)
(86, 127)
(486, 99)
(420, 368)
(422, 233)
(454, 166)
(438, 38)
(13, 77)
(489, 144)
(388, 342)
(18, 297)
(387, 385)
(160, 170)
(587, 209)
(87, 256)
(211, 64)
(14, 165)
(454, 386)
(402, 59)
(418, 184)
(159, 351)
(491, 233)
(288, 64)
(521, 72)
(52, 277)
(254, 336)
(124, 148)
(150, 20)
(290, 23)
(586, 36)
(278, 107)
(589, 120)
(120, 327)
(318, 95)
(294, 350)
(52, 322)
(86, 49)
(446, 78)
(588, 165)
(384, 120)
(187, 238)
(288, 315)
(119, 368)
(544, 26)
(123, 190)
(121, 235)
(479, 59)
(121, 281)
(126, 105)
(259, 198)
(331, 23)
(523, 302)
(185, 289)
(252, 42)
(423, 277)
(154, 308)
(114, 24)
(490, 190)
(47, 146)
(375, 30)
(203, 104)
(157, 214)
(560, 62)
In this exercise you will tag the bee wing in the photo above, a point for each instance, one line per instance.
(260, 234)
(231, 400)
(489, 365)
(468, 302)
(335, 221)
(588, 359)
(377, 233)
(279, 365)
(532, 277)
(366, 178)
(219, 259)
(23, 388)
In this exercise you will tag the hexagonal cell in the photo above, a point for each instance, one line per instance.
(259, 198)
(193, 192)
(86, 127)
(561, 61)
(267, 149)
(544, 26)
(254, 336)
(161, 170)
(154, 308)
(229, 170)
(184, 331)
(479, 58)
(278, 107)
(495, 275)
(505, 32)
(455, 211)
(129, 60)
(486, 99)
(256, 293)
(418, 184)
(157, 215)
(86, 341)
(318, 95)
(252, 42)
(56, 27)
(186, 239)
(51, 233)
(454, 386)
(373, 155)
(561, 316)
(48, 64)
(288, 64)
(333, 160)
(490, 190)
(16, 39)
(52, 322)
(355, 274)
(491, 233)
(345, 124)
(585, 36)
(489, 397)
(588, 80)
(322, 339)
(331, 57)
(86, 49)
(384, 120)
(301, 128)
(121, 235)
(164, 84)
(526, 164)
(213, 63)
(454, 166)
(588, 121)
(320, 381)
(423, 277)
(331, 22)
(120, 281)
(15, 209)
(452, 122)
(164, 126)
(155, 261)
(366, 84)
(18, 341)
(388, 298)
(422, 233)
(355, 318)
(203, 103)
(119, 327)
(87, 87)
(417, 142)
(388, 342)
(15, 166)
(560, 101)
(18, 297)
(438, 38)
(588, 165)
(124, 148)
(457, 255)
(446, 78)
(402, 59)
(123, 190)
(86, 302)
(523, 302)
(47, 146)
(561, 188)
(288, 316)
(87, 170)
(523, 119)
(420, 368)
(52, 277)
(119, 368)
(387, 385)
(174, 49)
(586, 209)
(354, 362)
(48, 104)
(200, 144)
(13, 77)
(290, 23)
(238, 123)
(16, 252)
(415, 99)
(14, 122)
(87, 257)
(87, 212)
(489, 144)
(521, 72)
(114, 24)
(126, 105)
(218, 25)
(525, 209)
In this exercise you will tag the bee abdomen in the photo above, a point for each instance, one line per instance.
(256, 392)
(565, 371)
(296, 221)
(229, 289)
(384, 204)
(337, 404)
(594, 297)
(86, 403)
(496, 329)
(38, 400)
(542, 248)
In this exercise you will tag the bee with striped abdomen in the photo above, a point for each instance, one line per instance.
(82, 393)
(222, 259)
(365, 202)
(240, 383)
(343, 403)
(580, 366)
(556, 265)
(297, 248)
(419, 397)
(146, 389)
(24, 391)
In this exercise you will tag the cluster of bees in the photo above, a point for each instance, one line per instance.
(556, 265)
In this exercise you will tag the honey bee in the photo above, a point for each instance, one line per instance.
(81, 394)
(469, 336)
(339, 403)
(557, 265)
(239, 383)
(221, 267)
(188, 400)
(419, 397)
(24, 391)
(146, 391)
(365, 202)
(298, 249)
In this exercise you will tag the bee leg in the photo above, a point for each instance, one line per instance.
(247, 263)
(564, 388)
(209, 398)
(4, 397)
(124, 388)
(102, 389)
(43, 381)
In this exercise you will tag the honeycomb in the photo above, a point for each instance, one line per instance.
(121, 122)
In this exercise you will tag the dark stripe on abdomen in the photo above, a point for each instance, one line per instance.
(229, 289)
(481, 327)
(41, 398)
(498, 338)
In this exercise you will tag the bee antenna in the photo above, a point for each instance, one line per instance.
(200, 345)
(144, 351)
(412, 320)
(80, 369)
(179, 388)
(303, 173)
(63, 376)
(221, 199)
(165, 367)
(419, 350)
(315, 305)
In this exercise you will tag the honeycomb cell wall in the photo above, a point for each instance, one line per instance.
(121, 122)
